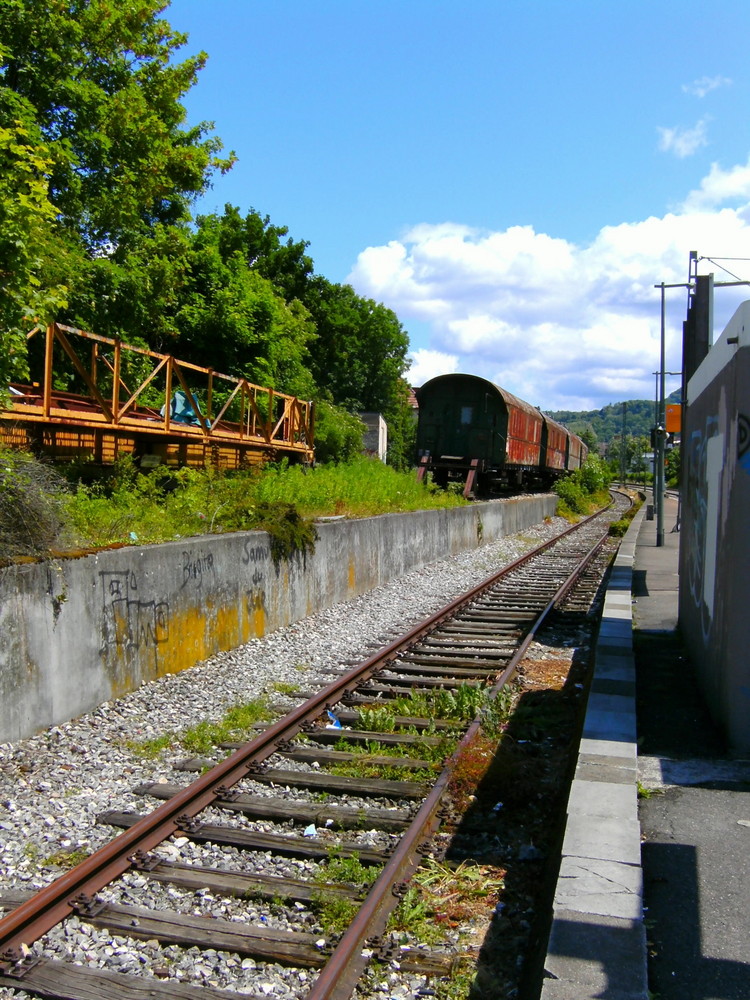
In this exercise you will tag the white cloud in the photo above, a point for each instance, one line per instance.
(704, 85)
(561, 325)
(425, 364)
(683, 142)
(721, 186)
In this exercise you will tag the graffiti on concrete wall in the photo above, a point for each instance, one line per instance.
(128, 620)
(195, 568)
(256, 556)
(705, 462)
(743, 441)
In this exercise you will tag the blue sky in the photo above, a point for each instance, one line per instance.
(511, 177)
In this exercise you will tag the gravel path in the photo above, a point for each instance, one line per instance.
(53, 785)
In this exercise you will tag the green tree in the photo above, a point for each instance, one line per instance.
(402, 430)
(338, 434)
(673, 466)
(360, 354)
(103, 83)
(285, 262)
(235, 320)
(138, 295)
(25, 217)
(628, 451)
(589, 438)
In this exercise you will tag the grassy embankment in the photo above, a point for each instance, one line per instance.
(42, 510)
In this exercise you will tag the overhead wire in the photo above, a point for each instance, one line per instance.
(715, 260)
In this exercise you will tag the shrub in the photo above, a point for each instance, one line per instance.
(338, 434)
(580, 491)
(572, 495)
(618, 528)
(31, 504)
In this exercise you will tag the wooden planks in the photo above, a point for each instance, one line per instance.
(313, 848)
(321, 815)
(53, 980)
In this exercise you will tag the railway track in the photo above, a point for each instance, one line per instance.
(353, 827)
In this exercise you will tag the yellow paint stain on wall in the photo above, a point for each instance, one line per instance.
(125, 682)
(193, 634)
(259, 621)
(352, 574)
(244, 624)
(227, 627)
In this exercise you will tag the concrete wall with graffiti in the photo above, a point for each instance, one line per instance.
(80, 631)
(715, 534)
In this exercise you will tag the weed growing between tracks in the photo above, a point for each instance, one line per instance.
(435, 753)
(460, 705)
(204, 737)
(333, 912)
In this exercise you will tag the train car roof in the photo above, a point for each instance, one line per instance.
(560, 427)
(508, 398)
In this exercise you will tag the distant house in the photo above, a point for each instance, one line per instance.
(375, 440)
(412, 401)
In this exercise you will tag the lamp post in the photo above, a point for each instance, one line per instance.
(661, 431)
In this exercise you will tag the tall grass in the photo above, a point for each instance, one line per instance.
(133, 507)
(355, 489)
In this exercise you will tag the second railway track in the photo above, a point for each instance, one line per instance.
(299, 816)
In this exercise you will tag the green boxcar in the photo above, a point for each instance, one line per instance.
(465, 419)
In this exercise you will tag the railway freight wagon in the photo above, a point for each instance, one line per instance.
(577, 453)
(555, 447)
(470, 430)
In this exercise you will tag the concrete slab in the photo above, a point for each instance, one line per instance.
(603, 838)
(602, 798)
(610, 726)
(621, 686)
(616, 668)
(613, 648)
(612, 769)
(610, 628)
(617, 704)
(615, 613)
(591, 885)
(608, 748)
(595, 956)
(617, 599)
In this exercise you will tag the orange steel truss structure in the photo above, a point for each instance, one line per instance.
(166, 417)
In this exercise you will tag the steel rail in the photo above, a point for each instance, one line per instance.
(339, 977)
(51, 905)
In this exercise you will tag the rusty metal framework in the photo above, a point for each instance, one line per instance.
(140, 402)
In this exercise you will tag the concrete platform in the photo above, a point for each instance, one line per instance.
(597, 944)
(652, 897)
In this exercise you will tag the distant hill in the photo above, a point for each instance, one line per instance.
(607, 422)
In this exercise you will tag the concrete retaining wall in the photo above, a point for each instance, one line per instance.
(80, 631)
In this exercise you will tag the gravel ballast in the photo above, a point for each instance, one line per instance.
(53, 785)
